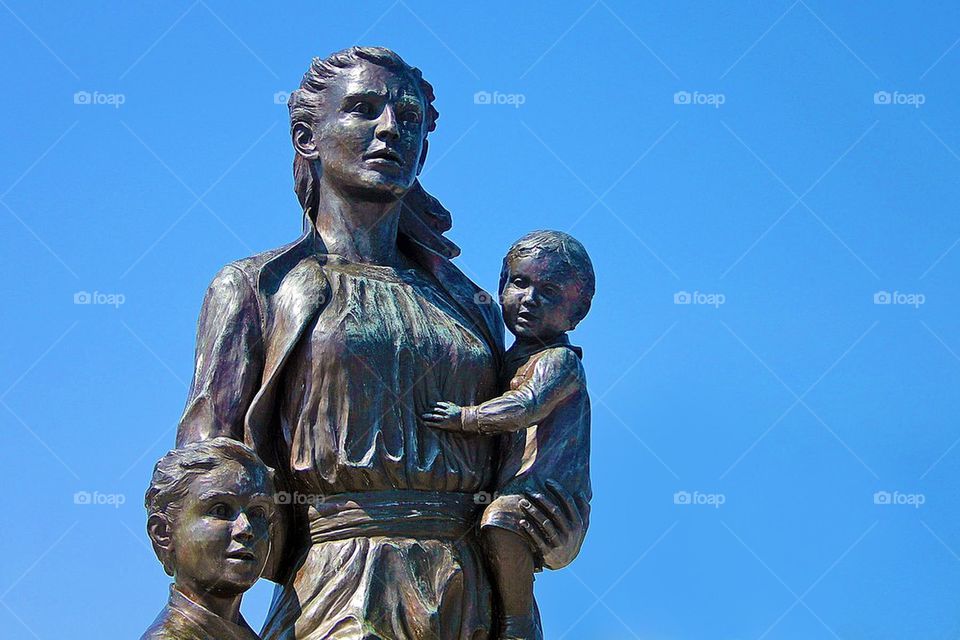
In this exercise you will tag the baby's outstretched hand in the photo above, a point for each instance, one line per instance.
(444, 415)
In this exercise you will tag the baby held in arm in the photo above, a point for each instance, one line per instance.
(546, 286)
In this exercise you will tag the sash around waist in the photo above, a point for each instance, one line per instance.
(430, 515)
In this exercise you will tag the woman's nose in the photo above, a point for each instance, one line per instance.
(242, 529)
(387, 125)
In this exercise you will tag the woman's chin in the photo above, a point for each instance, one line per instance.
(378, 189)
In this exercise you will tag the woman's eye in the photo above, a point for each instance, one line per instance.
(518, 282)
(410, 116)
(221, 510)
(551, 292)
(258, 512)
(363, 108)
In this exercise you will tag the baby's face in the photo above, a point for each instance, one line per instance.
(540, 296)
(221, 535)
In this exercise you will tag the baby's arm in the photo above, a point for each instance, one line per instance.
(557, 374)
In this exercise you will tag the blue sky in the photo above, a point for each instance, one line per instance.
(774, 459)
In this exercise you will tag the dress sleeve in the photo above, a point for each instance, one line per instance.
(229, 360)
(556, 374)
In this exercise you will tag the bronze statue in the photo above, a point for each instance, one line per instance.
(322, 356)
(546, 285)
(209, 505)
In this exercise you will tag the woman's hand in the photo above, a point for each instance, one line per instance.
(556, 523)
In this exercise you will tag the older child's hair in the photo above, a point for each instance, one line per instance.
(569, 250)
(175, 471)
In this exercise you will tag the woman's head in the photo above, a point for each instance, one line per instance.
(360, 120)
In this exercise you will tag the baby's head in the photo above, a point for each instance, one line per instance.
(210, 507)
(546, 285)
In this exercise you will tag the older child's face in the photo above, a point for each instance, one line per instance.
(221, 535)
(540, 297)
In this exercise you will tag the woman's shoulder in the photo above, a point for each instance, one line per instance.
(252, 265)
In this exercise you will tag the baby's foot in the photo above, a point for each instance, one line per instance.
(519, 628)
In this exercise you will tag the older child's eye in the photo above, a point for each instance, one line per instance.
(410, 116)
(259, 513)
(551, 290)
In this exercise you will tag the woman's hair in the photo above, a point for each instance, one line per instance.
(567, 249)
(175, 471)
(305, 104)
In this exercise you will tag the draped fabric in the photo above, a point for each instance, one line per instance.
(388, 344)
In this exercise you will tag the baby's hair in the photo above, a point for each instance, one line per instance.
(175, 471)
(569, 250)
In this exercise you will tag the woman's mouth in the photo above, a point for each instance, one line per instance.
(385, 154)
(241, 554)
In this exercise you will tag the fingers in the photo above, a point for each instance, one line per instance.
(538, 540)
(440, 409)
(542, 520)
(566, 502)
(547, 508)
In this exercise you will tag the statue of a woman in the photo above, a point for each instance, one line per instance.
(323, 354)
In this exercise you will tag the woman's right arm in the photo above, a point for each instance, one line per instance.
(229, 360)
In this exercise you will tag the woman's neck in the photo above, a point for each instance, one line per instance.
(359, 230)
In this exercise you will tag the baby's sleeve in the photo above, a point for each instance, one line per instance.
(556, 374)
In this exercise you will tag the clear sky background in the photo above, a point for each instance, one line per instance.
(739, 441)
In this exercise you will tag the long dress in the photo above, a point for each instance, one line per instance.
(393, 514)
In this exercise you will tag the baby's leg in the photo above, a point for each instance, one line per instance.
(512, 562)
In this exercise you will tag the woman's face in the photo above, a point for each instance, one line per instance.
(369, 136)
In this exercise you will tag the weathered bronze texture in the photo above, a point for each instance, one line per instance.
(210, 506)
(324, 355)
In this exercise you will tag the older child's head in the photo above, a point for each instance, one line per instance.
(210, 506)
(546, 285)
